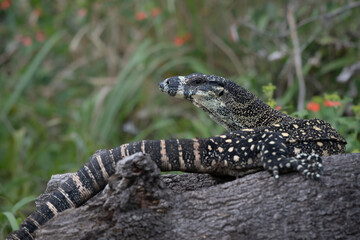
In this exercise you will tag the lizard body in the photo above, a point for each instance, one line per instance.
(259, 137)
(235, 108)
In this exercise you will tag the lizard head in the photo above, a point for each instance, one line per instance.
(192, 86)
(211, 93)
(227, 103)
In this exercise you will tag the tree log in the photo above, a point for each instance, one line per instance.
(139, 203)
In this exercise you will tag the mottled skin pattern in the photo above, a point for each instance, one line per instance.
(235, 108)
(261, 137)
(227, 103)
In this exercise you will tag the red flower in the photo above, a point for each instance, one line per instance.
(26, 41)
(187, 37)
(82, 12)
(40, 37)
(5, 4)
(329, 103)
(155, 12)
(140, 16)
(312, 106)
(278, 108)
(181, 40)
(178, 41)
(37, 12)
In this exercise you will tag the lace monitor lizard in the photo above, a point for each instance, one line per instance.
(258, 137)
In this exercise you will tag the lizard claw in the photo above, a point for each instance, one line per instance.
(310, 165)
(276, 157)
(275, 172)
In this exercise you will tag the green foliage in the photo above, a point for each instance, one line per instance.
(75, 74)
(10, 215)
(332, 108)
(356, 110)
(25, 79)
(268, 91)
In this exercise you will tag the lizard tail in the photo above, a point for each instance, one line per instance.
(75, 191)
(93, 176)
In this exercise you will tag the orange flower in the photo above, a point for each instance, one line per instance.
(187, 37)
(181, 40)
(329, 103)
(312, 106)
(140, 16)
(178, 41)
(40, 37)
(5, 4)
(26, 41)
(37, 12)
(278, 108)
(82, 12)
(155, 12)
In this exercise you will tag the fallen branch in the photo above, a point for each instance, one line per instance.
(142, 204)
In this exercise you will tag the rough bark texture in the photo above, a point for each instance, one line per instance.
(138, 203)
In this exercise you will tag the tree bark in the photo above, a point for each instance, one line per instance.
(139, 203)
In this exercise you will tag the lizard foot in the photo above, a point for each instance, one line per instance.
(309, 165)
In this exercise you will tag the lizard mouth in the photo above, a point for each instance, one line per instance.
(171, 86)
(166, 89)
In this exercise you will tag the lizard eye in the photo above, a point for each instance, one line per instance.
(221, 93)
(219, 89)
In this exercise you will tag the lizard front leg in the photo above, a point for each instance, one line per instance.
(275, 156)
(242, 152)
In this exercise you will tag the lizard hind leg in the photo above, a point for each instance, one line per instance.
(275, 156)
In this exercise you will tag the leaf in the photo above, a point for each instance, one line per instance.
(337, 64)
(30, 71)
(22, 203)
(12, 220)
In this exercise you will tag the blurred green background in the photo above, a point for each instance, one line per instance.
(78, 76)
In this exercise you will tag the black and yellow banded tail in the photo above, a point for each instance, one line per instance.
(169, 155)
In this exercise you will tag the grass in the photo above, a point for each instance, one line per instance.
(74, 74)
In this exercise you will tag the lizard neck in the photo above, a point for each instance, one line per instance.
(245, 110)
